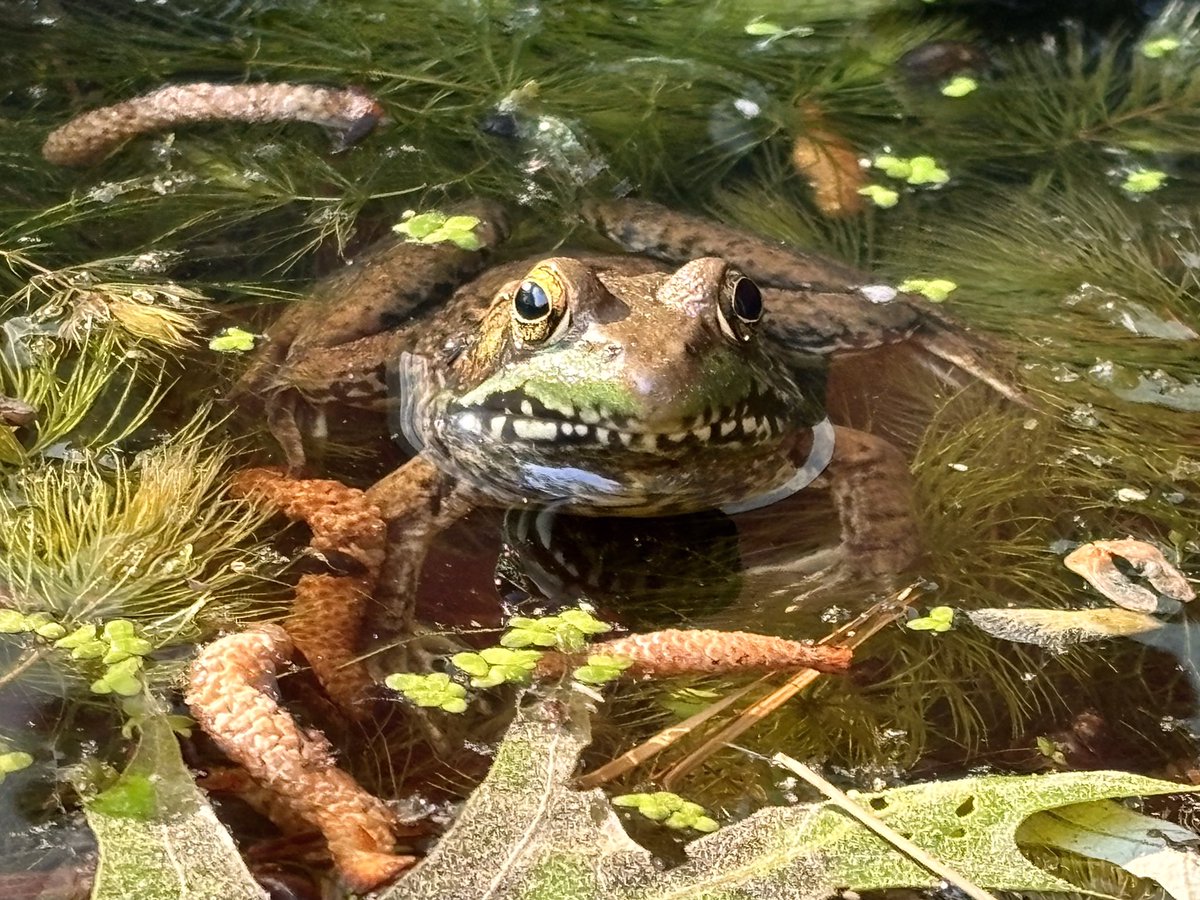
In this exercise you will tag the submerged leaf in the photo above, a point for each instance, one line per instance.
(157, 834)
(1059, 628)
(1139, 844)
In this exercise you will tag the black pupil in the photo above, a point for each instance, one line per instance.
(531, 302)
(747, 300)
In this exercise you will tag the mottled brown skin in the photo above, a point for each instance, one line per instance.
(337, 348)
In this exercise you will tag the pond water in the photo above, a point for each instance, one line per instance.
(1032, 170)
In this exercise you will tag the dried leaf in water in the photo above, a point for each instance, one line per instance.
(1056, 629)
(1094, 563)
(158, 836)
(1141, 845)
(829, 163)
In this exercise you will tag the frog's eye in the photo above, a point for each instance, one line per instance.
(539, 309)
(530, 303)
(740, 307)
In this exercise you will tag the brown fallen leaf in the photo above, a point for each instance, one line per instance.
(829, 163)
(1094, 563)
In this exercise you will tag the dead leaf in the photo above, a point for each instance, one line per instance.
(158, 837)
(1094, 563)
(830, 165)
(1057, 629)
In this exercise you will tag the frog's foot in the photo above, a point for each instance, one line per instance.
(946, 340)
(232, 693)
(1094, 562)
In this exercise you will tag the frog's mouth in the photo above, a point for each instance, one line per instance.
(517, 449)
(516, 417)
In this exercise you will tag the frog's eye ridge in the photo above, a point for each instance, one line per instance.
(531, 303)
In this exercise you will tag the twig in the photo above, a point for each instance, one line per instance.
(875, 619)
(843, 802)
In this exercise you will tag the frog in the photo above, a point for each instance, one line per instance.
(686, 373)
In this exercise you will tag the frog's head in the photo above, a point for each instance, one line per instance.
(599, 391)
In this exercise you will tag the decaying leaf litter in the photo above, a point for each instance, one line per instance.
(222, 219)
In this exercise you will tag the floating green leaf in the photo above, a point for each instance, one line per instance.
(433, 691)
(1143, 181)
(232, 340)
(959, 86)
(935, 289)
(436, 227)
(14, 761)
(120, 678)
(566, 631)
(940, 618)
(602, 668)
(883, 197)
(762, 28)
(498, 665)
(893, 166)
(669, 809)
(925, 170)
(1157, 48)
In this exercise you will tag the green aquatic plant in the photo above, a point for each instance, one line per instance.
(126, 554)
(92, 399)
(494, 666)
(567, 631)
(601, 668)
(434, 691)
(670, 809)
(436, 227)
(74, 300)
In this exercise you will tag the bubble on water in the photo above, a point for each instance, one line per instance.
(1131, 495)
(878, 293)
(1064, 374)
(1083, 416)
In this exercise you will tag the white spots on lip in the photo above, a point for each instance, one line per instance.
(535, 429)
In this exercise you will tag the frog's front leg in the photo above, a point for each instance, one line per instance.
(872, 490)
(333, 346)
(418, 503)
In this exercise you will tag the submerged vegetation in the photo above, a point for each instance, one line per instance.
(1053, 204)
